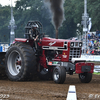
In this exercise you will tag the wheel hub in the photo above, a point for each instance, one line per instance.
(56, 76)
(14, 63)
(82, 76)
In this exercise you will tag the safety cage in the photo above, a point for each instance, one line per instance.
(28, 27)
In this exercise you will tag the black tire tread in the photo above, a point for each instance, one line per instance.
(29, 61)
(87, 79)
(62, 73)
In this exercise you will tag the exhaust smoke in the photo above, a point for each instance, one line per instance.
(57, 11)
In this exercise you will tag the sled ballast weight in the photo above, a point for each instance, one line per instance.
(50, 58)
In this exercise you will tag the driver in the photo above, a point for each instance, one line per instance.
(35, 33)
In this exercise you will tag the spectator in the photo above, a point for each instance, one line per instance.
(98, 51)
(90, 46)
(92, 36)
(88, 51)
(97, 32)
(89, 36)
(93, 52)
(93, 43)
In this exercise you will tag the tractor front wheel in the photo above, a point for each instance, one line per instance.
(85, 77)
(59, 74)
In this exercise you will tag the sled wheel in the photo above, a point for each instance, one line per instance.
(85, 77)
(20, 62)
(59, 75)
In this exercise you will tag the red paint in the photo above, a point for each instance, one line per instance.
(43, 60)
(65, 56)
(18, 62)
(79, 65)
(20, 40)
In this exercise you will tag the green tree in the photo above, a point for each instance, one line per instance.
(31, 10)
(4, 21)
(26, 10)
(94, 9)
(73, 12)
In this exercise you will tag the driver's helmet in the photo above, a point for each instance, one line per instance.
(35, 26)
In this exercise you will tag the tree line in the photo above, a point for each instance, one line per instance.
(26, 10)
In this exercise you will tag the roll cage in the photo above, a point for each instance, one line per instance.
(28, 27)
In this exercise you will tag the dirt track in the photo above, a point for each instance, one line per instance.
(48, 90)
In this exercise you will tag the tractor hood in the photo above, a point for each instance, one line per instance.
(59, 44)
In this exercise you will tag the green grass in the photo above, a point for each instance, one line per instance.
(96, 73)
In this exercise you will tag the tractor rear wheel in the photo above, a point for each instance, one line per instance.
(20, 62)
(59, 74)
(85, 77)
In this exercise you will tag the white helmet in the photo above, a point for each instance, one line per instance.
(35, 26)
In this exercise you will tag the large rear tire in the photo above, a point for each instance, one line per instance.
(59, 74)
(85, 77)
(20, 62)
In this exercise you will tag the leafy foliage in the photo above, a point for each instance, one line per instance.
(4, 18)
(26, 10)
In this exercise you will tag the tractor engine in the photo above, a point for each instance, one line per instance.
(51, 54)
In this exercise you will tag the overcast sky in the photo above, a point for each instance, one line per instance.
(7, 2)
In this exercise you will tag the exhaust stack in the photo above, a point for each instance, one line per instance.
(56, 33)
(57, 13)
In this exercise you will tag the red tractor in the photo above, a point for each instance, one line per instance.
(49, 58)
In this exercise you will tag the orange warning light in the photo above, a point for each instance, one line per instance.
(49, 63)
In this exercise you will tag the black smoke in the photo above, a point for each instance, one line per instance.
(57, 10)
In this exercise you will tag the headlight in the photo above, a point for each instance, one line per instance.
(72, 44)
(80, 44)
(65, 44)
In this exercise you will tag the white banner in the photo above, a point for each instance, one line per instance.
(91, 57)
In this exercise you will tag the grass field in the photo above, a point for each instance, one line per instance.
(97, 73)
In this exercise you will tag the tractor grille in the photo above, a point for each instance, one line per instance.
(74, 53)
